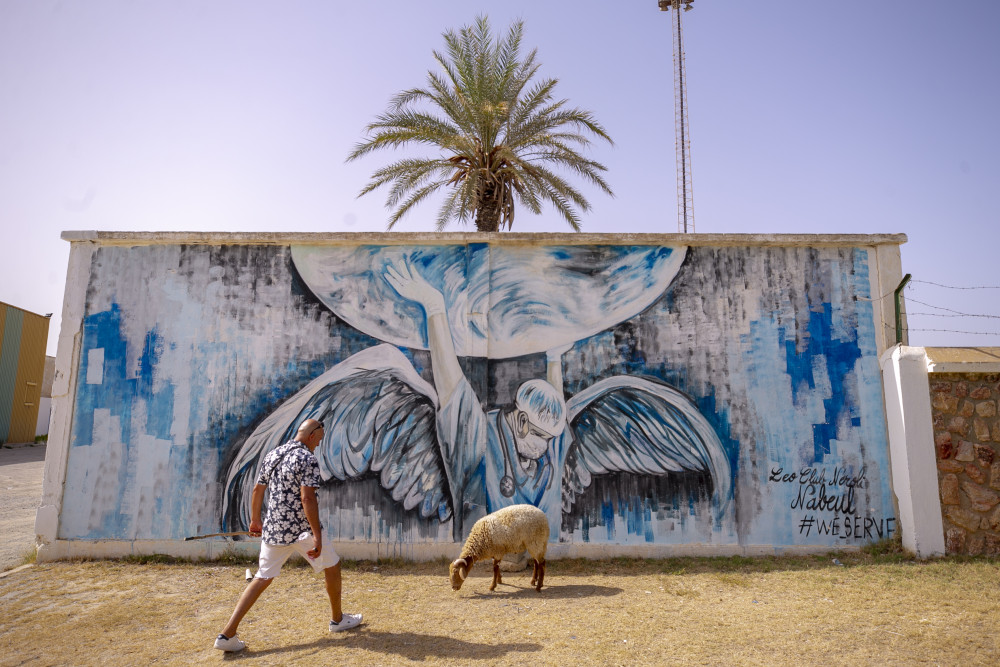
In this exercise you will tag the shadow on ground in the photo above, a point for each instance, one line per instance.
(548, 592)
(409, 645)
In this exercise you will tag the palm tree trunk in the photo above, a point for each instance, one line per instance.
(488, 213)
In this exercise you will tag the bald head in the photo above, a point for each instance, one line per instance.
(310, 433)
(308, 426)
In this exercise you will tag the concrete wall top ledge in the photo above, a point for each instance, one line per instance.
(506, 238)
(963, 359)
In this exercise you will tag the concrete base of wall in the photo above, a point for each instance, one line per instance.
(211, 549)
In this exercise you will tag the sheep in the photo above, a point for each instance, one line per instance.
(509, 530)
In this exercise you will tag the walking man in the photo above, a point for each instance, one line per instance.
(290, 474)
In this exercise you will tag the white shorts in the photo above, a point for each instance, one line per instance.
(273, 556)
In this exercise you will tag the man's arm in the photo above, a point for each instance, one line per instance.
(311, 507)
(256, 504)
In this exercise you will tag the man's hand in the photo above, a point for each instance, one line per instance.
(311, 507)
(256, 504)
(410, 285)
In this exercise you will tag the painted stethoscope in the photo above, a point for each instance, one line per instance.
(509, 482)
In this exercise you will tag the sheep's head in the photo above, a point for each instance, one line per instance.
(459, 570)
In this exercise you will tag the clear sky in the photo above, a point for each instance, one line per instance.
(806, 117)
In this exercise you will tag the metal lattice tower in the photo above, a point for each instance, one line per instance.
(685, 189)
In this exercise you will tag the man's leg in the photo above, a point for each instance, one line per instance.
(333, 586)
(341, 621)
(247, 599)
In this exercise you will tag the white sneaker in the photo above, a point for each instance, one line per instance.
(229, 644)
(346, 623)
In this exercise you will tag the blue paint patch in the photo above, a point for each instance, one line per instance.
(119, 394)
(160, 405)
(632, 514)
(638, 517)
(647, 516)
(608, 518)
(718, 417)
(838, 358)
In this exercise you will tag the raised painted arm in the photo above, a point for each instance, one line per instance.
(410, 285)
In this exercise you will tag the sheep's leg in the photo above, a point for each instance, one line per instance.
(541, 574)
(534, 571)
(496, 574)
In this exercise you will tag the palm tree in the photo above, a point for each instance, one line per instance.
(498, 135)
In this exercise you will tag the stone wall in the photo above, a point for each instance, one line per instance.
(967, 439)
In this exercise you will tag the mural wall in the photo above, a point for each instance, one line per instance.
(638, 394)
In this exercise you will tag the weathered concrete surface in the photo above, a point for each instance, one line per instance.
(20, 491)
(963, 359)
(133, 239)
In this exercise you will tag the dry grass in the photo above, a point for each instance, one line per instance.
(29, 557)
(875, 609)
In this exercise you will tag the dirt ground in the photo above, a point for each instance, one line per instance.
(737, 611)
(863, 609)
(20, 493)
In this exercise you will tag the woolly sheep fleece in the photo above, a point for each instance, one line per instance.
(509, 530)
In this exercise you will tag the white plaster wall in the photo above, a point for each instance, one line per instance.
(885, 280)
(63, 391)
(44, 414)
(911, 449)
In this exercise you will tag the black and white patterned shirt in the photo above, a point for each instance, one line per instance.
(285, 470)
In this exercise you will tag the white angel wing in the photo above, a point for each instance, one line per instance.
(640, 425)
(378, 415)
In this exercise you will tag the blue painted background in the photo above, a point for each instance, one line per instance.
(197, 344)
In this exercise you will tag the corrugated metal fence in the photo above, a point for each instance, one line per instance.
(23, 337)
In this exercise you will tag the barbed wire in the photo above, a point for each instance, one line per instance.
(928, 282)
(952, 313)
(876, 299)
(909, 286)
(888, 328)
(972, 333)
(958, 313)
(948, 312)
(913, 314)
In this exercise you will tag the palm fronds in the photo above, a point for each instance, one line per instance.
(496, 130)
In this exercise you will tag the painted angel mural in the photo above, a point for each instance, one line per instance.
(438, 448)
